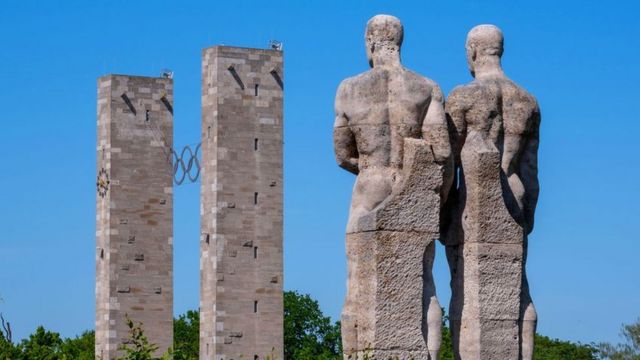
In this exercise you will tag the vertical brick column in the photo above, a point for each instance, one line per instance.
(241, 303)
(134, 206)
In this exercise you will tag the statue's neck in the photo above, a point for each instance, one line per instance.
(488, 67)
(386, 59)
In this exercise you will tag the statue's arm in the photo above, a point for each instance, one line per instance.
(344, 142)
(435, 131)
(455, 110)
(529, 171)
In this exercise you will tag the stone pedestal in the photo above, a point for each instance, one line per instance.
(390, 292)
(489, 262)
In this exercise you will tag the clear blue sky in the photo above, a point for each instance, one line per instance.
(580, 58)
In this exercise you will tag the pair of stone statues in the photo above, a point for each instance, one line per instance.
(464, 172)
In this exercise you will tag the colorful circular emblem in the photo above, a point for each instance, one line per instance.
(103, 182)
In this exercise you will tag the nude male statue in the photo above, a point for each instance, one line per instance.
(494, 108)
(376, 112)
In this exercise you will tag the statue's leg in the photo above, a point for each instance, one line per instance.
(454, 259)
(348, 319)
(528, 315)
(432, 312)
(528, 330)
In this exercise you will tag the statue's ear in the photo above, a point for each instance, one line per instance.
(471, 58)
(492, 51)
(371, 47)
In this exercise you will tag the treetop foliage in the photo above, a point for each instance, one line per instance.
(308, 335)
(629, 349)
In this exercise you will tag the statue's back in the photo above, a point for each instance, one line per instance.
(384, 106)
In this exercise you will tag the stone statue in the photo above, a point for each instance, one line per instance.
(390, 130)
(494, 127)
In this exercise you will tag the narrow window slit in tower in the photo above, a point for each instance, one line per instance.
(256, 90)
(146, 115)
(255, 252)
(255, 198)
(255, 306)
(255, 144)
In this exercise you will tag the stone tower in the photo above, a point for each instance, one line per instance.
(241, 303)
(134, 260)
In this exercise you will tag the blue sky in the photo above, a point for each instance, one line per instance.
(579, 58)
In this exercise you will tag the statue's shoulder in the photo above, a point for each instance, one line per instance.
(511, 89)
(420, 79)
(422, 86)
(348, 85)
(512, 93)
(347, 93)
(466, 89)
(464, 95)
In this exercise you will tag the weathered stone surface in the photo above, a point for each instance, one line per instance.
(390, 130)
(410, 207)
(134, 268)
(241, 264)
(494, 129)
(390, 290)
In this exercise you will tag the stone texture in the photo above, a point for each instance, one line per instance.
(241, 265)
(390, 130)
(134, 205)
(494, 130)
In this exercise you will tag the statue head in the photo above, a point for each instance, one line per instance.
(383, 39)
(485, 44)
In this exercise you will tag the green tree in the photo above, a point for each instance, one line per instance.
(48, 345)
(81, 347)
(554, 349)
(186, 336)
(41, 345)
(8, 351)
(446, 348)
(308, 334)
(138, 346)
(629, 349)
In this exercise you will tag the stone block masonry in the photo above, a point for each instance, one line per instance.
(241, 303)
(134, 254)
